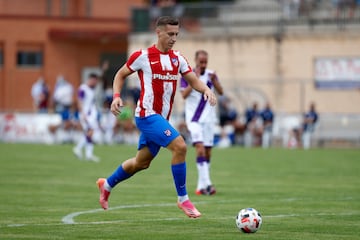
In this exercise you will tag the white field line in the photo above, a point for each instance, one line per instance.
(69, 219)
(173, 219)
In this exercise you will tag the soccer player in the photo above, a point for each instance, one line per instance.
(200, 120)
(158, 69)
(309, 124)
(63, 100)
(267, 116)
(88, 115)
(253, 129)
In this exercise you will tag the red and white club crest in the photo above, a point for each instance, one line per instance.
(175, 61)
(167, 132)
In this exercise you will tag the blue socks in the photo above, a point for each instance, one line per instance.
(179, 174)
(178, 171)
(118, 176)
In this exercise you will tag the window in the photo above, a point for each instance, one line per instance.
(64, 8)
(29, 59)
(49, 6)
(29, 55)
(88, 8)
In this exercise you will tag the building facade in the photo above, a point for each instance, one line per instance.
(48, 38)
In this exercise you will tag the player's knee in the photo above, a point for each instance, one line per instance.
(144, 165)
(89, 133)
(141, 166)
(200, 150)
(200, 153)
(180, 147)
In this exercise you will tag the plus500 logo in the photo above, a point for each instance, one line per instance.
(168, 76)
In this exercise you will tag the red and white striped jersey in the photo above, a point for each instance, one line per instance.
(158, 74)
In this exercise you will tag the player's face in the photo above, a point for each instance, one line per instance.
(167, 36)
(312, 107)
(92, 82)
(201, 62)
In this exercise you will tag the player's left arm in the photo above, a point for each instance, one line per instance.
(185, 88)
(80, 104)
(199, 86)
(185, 92)
(215, 81)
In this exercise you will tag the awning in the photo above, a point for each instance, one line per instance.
(87, 35)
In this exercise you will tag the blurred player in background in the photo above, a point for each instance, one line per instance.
(309, 123)
(40, 93)
(253, 126)
(63, 100)
(158, 68)
(267, 116)
(200, 119)
(108, 122)
(88, 115)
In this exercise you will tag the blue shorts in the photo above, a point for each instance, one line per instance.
(156, 132)
(65, 113)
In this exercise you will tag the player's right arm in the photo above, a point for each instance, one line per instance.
(118, 84)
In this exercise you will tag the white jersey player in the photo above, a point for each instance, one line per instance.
(200, 119)
(88, 115)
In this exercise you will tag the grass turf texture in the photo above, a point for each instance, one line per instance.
(311, 194)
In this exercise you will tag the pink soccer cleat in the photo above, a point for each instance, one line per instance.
(104, 194)
(189, 209)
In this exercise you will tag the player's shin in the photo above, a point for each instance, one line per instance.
(118, 176)
(179, 175)
(201, 166)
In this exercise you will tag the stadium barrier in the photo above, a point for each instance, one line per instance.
(333, 130)
(27, 127)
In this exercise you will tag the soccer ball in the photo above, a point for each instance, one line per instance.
(248, 220)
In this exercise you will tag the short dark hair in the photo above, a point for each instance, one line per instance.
(167, 20)
(93, 75)
(198, 52)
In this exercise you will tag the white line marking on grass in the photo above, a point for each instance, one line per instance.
(166, 219)
(69, 219)
(16, 225)
(309, 215)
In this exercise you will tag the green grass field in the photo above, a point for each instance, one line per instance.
(311, 194)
